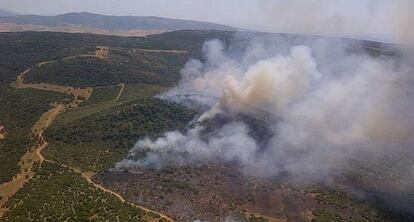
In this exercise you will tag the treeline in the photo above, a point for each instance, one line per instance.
(123, 66)
(59, 194)
(19, 111)
(21, 50)
(99, 141)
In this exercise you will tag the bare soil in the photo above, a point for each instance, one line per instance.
(102, 52)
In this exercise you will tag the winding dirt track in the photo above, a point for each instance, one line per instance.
(166, 51)
(120, 92)
(34, 155)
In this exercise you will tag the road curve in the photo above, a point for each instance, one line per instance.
(8, 189)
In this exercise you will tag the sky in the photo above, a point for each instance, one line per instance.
(338, 17)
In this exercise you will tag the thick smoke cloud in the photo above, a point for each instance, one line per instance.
(329, 108)
(188, 148)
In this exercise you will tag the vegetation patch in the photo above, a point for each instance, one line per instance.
(140, 91)
(322, 215)
(19, 111)
(102, 94)
(58, 194)
(123, 66)
(98, 141)
(345, 205)
(131, 93)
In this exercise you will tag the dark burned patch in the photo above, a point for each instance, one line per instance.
(210, 192)
(259, 129)
(215, 191)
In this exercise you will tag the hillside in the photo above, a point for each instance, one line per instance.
(77, 135)
(6, 13)
(112, 23)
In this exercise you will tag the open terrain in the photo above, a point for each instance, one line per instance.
(74, 105)
(33, 159)
(85, 22)
(19, 112)
(13, 27)
(31, 164)
(215, 192)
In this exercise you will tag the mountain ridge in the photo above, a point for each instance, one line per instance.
(4, 13)
(111, 23)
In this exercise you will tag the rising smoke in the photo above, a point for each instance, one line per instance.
(325, 103)
(325, 115)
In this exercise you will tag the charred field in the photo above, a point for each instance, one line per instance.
(215, 192)
(218, 190)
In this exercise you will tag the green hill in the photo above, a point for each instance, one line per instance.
(113, 22)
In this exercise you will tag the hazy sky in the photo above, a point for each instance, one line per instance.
(343, 17)
(207, 10)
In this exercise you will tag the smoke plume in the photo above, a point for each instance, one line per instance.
(308, 108)
(321, 110)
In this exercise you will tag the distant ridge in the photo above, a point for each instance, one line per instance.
(112, 23)
(6, 13)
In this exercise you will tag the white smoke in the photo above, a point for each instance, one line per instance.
(326, 115)
(177, 148)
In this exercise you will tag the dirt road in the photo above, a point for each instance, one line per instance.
(88, 177)
(120, 92)
(173, 51)
(34, 155)
(101, 52)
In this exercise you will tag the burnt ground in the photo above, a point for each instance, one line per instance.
(215, 192)
(208, 193)
(367, 189)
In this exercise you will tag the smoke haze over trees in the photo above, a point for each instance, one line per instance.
(326, 105)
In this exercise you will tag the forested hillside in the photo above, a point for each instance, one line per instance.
(113, 22)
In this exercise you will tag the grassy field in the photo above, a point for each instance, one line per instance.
(58, 194)
(19, 110)
(140, 91)
(108, 146)
(131, 93)
(96, 142)
(102, 94)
